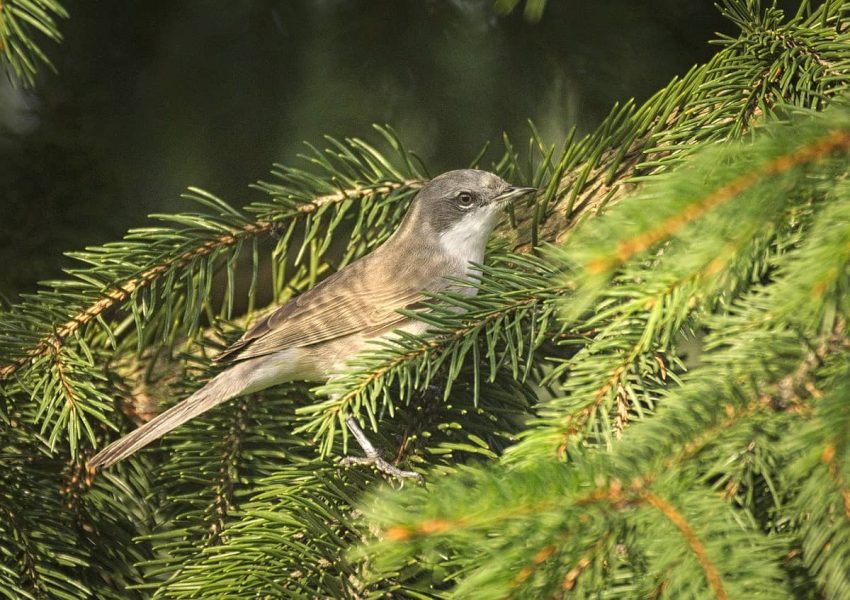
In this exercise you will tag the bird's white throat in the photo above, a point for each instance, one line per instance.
(467, 239)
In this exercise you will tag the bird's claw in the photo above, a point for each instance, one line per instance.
(383, 466)
(373, 457)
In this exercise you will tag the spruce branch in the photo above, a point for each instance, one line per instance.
(163, 277)
(124, 291)
(541, 514)
(626, 250)
(21, 22)
(593, 555)
(635, 449)
(822, 472)
(626, 233)
(750, 78)
(697, 547)
(639, 322)
(38, 539)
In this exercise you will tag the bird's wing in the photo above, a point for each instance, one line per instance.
(346, 303)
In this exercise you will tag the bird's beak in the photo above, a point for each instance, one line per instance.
(512, 193)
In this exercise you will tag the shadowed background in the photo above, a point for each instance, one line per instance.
(155, 96)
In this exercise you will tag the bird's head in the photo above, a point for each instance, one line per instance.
(460, 208)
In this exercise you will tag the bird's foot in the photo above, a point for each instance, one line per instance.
(373, 457)
(383, 466)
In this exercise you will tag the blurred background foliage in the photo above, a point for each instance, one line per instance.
(152, 97)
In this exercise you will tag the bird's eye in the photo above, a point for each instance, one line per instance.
(464, 199)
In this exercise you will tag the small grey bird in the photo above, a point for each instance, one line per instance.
(312, 336)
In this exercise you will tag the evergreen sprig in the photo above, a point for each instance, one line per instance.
(22, 22)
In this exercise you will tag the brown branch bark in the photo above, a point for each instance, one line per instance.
(696, 545)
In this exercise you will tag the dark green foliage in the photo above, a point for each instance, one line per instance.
(651, 404)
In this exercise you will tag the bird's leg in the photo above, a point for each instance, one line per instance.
(373, 457)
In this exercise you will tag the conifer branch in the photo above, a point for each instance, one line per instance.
(829, 458)
(697, 547)
(813, 151)
(645, 312)
(29, 556)
(124, 291)
(20, 22)
(584, 562)
(611, 495)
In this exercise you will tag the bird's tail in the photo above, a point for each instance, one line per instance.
(219, 389)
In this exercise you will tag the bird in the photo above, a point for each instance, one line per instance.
(438, 246)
